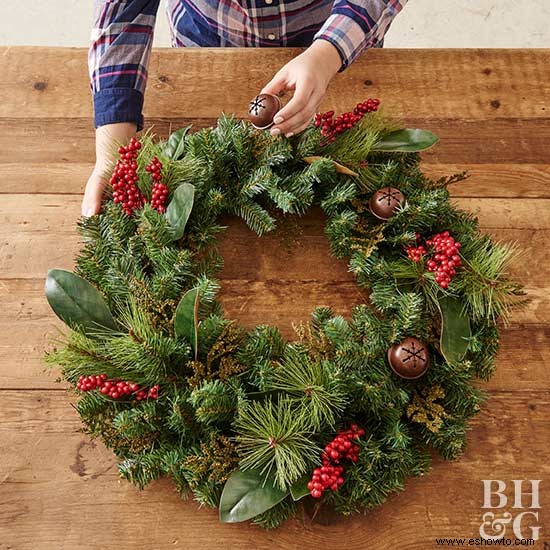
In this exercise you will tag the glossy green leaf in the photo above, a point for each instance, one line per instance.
(408, 140)
(77, 302)
(247, 494)
(175, 146)
(455, 329)
(179, 209)
(299, 489)
(186, 322)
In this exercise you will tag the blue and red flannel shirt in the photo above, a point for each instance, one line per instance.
(122, 37)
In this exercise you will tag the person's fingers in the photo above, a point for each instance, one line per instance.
(276, 85)
(93, 195)
(298, 102)
(302, 118)
(303, 126)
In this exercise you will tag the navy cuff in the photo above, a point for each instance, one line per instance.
(114, 105)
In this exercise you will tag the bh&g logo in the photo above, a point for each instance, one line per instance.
(494, 525)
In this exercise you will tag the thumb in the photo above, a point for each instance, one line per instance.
(93, 195)
(277, 84)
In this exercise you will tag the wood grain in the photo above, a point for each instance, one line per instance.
(251, 302)
(261, 289)
(432, 84)
(491, 110)
(52, 499)
(484, 180)
(502, 141)
(46, 223)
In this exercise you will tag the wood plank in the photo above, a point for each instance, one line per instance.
(506, 180)
(58, 213)
(272, 301)
(19, 259)
(253, 302)
(53, 177)
(51, 474)
(485, 180)
(498, 141)
(39, 232)
(514, 214)
(490, 110)
(471, 83)
(252, 292)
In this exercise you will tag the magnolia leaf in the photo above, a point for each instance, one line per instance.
(175, 146)
(299, 489)
(247, 494)
(186, 321)
(408, 140)
(179, 209)
(77, 302)
(338, 167)
(455, 329)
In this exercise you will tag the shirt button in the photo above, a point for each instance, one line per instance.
(271, 36)
(269, 2)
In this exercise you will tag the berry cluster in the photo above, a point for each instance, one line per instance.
(331, 127)
(416, 253)
(116, 388)
(160, 191)
(445, 256)
(329, 476)
(124, 178)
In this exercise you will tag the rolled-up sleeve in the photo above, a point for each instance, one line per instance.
(118, 58)
(354, 26)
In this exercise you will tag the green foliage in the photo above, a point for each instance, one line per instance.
(406, 141)
(174, 147)
(313, 386)
(274, 437)
(179, 209)
(360, 141)
(247, 494)
(214, 402)
(77, 302)
(278, 514)
(142, 469)
(488, 293)
(455, 329)
(186, 319)
(263, 345)
(243, 415)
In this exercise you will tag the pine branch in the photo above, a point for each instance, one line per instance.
(487, 291)
(312, 386)
(274, 438)
(214, 403)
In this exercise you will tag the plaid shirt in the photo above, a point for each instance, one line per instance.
(122, 37)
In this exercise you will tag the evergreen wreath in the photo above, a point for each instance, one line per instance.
(244, 420)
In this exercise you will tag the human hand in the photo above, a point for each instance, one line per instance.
(108, 138)
(93, 193)
(308, 75)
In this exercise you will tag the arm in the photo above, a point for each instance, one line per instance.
(353, 26)
(118, 57)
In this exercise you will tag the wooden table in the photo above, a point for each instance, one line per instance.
(59, 490)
